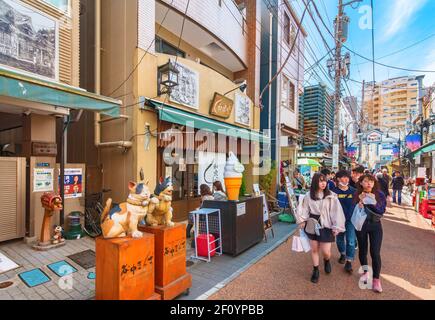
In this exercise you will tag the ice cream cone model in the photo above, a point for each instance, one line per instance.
(233, 177)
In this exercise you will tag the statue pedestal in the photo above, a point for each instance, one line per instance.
(171, 277)
(125, 269)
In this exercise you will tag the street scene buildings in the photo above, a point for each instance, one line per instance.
(216, 119)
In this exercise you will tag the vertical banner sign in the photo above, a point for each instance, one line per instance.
(73, 183)
(335, 152)
(211, 167)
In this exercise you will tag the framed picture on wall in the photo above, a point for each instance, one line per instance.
(243, 110)
(29, 40)
(187, 91)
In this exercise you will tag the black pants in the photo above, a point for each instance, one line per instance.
(374, 232)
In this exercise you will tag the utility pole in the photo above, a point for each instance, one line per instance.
(361, 122)
(342, 67)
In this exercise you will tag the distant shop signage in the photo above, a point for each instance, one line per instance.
(221, 106)
(374, 137)
(413, 142)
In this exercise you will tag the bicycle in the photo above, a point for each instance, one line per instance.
(94, 208)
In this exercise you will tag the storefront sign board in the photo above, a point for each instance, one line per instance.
(43, 180)
(221, 106)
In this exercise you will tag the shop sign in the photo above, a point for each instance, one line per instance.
(73, 183)
(187, 91)
(243, 110)
(211, 168)
(374, 137)
(28, 40)
(413, 142)
(241, 209)
(221, 106)
(43, 180)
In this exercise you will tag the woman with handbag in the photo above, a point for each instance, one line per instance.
(322, 217)
(374, 202)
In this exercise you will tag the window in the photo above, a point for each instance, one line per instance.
(164, 47)
(287, 28)
(62, 5)
(288, 94)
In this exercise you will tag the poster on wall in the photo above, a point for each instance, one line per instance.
(43, 180)
(73, 183)
(243, 110)
(28, 40)
(187, 91)
(211, 167)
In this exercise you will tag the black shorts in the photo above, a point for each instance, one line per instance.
(326, 236)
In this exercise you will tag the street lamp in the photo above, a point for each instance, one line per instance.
(167, 77)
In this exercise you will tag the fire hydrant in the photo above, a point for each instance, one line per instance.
(51, 203)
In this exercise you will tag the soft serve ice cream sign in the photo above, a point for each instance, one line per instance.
(233, 176)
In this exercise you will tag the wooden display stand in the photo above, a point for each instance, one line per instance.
(171, 277)
(125, 269)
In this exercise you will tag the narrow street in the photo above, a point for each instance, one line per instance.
(408, 270)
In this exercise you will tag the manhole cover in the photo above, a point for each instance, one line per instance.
(85, 259)
(6, 284)
(189, 263)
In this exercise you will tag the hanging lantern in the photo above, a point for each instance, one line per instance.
(167, 78)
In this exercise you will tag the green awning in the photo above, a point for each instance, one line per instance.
(429, 147)
(30, 88)
(185, 118)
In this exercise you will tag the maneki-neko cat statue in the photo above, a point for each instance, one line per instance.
(160, 207)
(122, 220)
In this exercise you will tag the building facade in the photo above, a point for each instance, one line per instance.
(212, 64)
(317, 122)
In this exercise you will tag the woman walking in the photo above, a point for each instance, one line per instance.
(322, 217)
(374, 202)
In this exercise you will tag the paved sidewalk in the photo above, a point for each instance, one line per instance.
(74, 287)
(207, 278)
(408, 271)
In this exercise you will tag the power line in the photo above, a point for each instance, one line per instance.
(146, 52)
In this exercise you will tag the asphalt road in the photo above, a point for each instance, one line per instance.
(408, 272)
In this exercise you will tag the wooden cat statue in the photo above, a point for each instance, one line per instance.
(123, 219)
(160, 207)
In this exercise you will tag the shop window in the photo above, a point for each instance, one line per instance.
(62, 5)
(164, 47)
(288, 94)
(286, 30)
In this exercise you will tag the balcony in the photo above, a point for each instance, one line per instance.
(206, 29)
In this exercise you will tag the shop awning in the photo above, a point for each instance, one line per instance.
(174, 115)
(429, 147)
(31, 88)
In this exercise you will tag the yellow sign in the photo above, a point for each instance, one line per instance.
(221, 106)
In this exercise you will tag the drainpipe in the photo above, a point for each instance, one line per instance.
(97, 72)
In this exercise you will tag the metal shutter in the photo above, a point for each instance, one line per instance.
(12, 198)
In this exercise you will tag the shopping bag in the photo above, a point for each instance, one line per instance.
(297, 244)
(305, 241)
(359, 216)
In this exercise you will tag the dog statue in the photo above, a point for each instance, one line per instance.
(57, 237)
(123, 219)
(160, 207)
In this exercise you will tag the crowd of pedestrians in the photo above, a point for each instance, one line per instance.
(326, 215)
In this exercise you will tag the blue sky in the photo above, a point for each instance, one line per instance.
(398, 24)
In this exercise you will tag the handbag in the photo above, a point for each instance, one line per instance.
(372, 216)
(359, 216)
(312, 227)
(297, 244)
(305, 241)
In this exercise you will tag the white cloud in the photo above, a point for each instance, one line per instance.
(401, 14)
(429, 79)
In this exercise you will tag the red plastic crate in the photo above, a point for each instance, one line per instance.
(201, 242)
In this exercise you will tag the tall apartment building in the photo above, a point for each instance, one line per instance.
(393, 103)
(317, 118)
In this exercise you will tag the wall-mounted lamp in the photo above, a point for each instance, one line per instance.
(242, 88)
(167, 78)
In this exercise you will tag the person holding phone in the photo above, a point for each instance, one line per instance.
(374, 202)
(322, 218)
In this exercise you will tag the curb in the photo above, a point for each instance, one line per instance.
(236, 274)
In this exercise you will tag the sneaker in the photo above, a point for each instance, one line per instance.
(342, 259)
(364, 278)
(377, 285)
(315, 276)
(328, 267)
(348, 267)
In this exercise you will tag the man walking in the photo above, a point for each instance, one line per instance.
(346, 241)
(398, 183)
(328, 174)
(356, 174)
